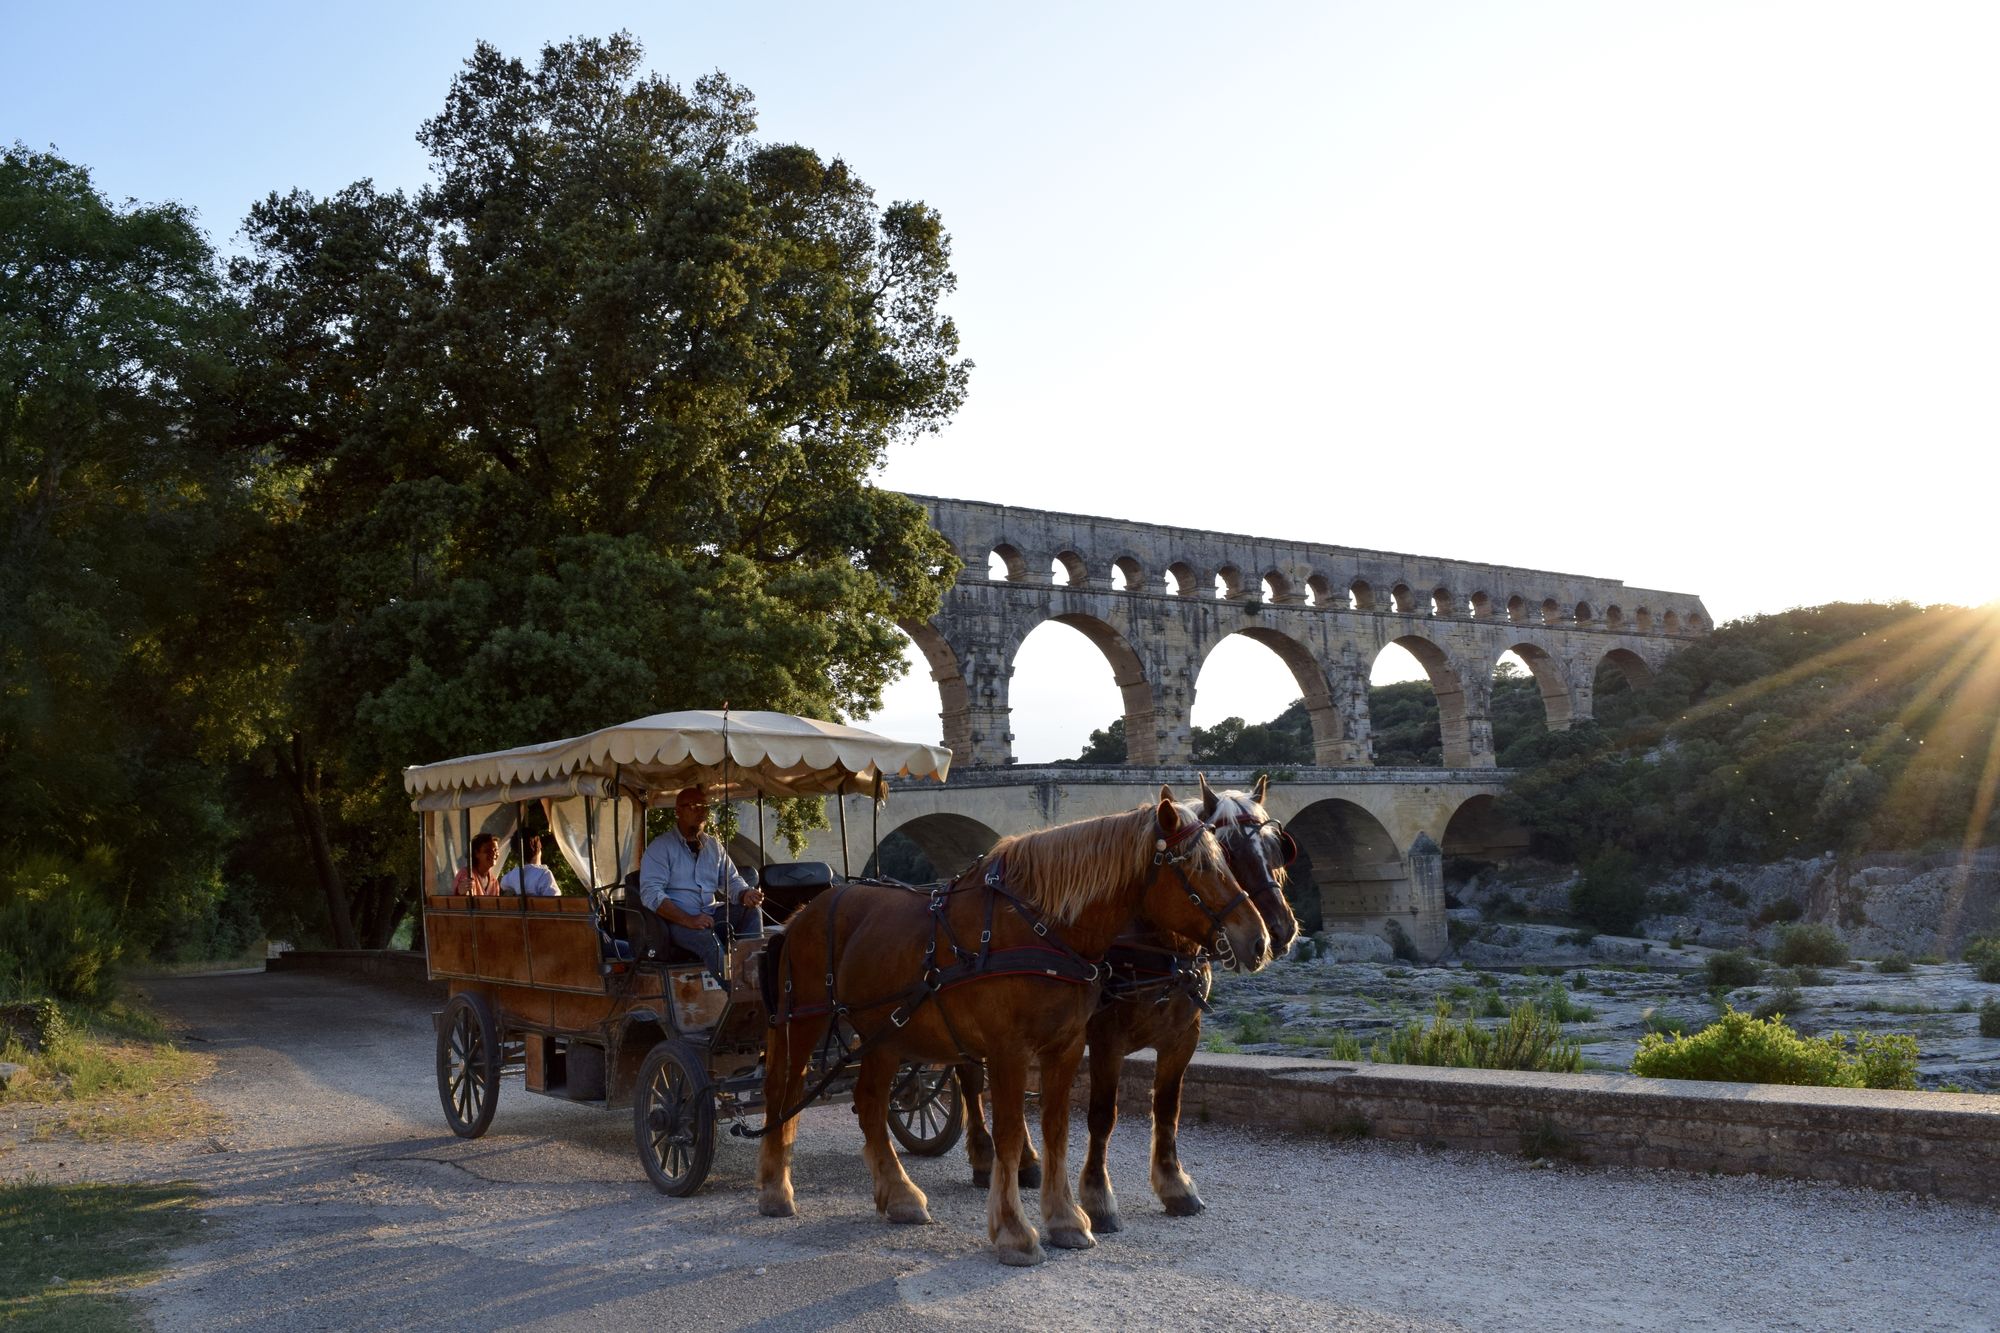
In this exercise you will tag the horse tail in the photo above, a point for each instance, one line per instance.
(767, 975)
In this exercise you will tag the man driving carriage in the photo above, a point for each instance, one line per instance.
(678, 877)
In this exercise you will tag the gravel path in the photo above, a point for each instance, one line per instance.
(338, 1200)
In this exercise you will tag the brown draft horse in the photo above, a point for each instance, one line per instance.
(1154, 999)
(1001, 966)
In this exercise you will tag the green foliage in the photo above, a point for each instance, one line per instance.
(1780, 1002)
(1345, 1046)
(101, 1240)
(1989, 1019)
(1610, 895)
(1740, 1048)
(1655, 1021)
(1106, 745)
(1530, 1039)
(1811, 942)
(1895, 962)
(1561, 1005)
(1731, 968)
(1984, 955)
(1835, 727)
(58, 936)
(1400, 943)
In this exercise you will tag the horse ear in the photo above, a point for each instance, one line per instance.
(1207, 800)
(1169, 814)
(1263, 785)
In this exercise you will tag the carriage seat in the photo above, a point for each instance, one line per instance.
(790, 885)
(644, 931)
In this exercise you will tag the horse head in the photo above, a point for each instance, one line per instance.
(1194, 894)
(1259, 850)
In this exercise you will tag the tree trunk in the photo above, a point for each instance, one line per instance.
(311, 820)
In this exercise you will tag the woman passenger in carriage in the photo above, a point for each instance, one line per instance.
(678, 877)
(531, 877)
(479, 879)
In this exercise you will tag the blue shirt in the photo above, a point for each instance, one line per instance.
(669, 871)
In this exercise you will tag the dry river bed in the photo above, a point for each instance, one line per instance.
(337, 1200)
(1303, 1007)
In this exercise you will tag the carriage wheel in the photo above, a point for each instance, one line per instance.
(673, 1118)
(926, 1114)
(468, 1065)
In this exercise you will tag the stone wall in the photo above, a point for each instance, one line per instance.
(1945, 1145)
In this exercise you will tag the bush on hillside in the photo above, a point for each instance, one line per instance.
(1531, 1039)
(1984, 955)
(1739, 1048)
(1812, 942)
(58, 937)
(1731, 968)
(1610, 895)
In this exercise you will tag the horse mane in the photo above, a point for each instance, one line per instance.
(1062, 871)
(1229, 804)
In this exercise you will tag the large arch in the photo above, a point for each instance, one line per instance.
(1327, 730)
(1454, 725)
(1349, 871)
(1638, 672)
(1128, 672)
(954, 699)
(1548, 675)
(1477, 831)
(949, 842)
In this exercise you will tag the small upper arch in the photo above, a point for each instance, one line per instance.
(1441, 604)
(1180, 579)
(1360, 596)
(1318, 591)
(1006, 564)
(1402, 599)
(1127, 574)
(1068, 569)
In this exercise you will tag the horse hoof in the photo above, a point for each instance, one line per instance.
(1183, 1205)
(982, 1180)
(1027, 1258)
(1031, 1176)
(1105, 1224)
(777, 1208)
(909, 1214)
(1070, 1238)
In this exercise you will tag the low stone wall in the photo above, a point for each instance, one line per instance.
(1946, 1145)
(400, 965)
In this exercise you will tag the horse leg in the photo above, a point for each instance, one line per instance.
(978, 1143)
(1170, 1183)
(1013, 1236)
(1062, 1220)
(1107, 1062)
(785, 1051)
(895, 1193)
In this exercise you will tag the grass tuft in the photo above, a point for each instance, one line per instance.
(67, 1252)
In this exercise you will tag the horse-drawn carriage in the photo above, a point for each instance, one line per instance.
(586, 995)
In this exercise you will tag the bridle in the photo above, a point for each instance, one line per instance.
(1240, 836)
(1176, 849)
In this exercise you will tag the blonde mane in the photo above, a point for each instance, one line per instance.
(1229, 804)
(1062, 871)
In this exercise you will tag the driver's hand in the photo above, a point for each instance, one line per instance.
(704, 921)
(752, 897)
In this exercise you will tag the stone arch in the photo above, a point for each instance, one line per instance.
(1548, 674)
(1477, 831)
(955, 700)
(1402, 599)
(1075, 571)
(1135, 574)
(1327, 728)
(1642, 620)
(1614, 617)
(1128, 672)
(1517, 609)
(950, 842)
(1583, 615)
(1180, 579)
(1275, 587)
(1360, 595)
(1349, 872)
(1671, 622)
(1551, 611)
(1228, 583)
(1695, 624)
(1318, 590)
(1454, 723)
(1638, 672)
(1482, 606)
(1441, 602)
(1013, 565)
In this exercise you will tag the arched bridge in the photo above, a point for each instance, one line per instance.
(1157, 600)
(1372, 841)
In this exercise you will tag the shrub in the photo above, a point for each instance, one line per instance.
(1814, 942)
(1809, 975)
(1780, 1002)
(1610, 895)
(1344, 1046)
(1655, 1021)
(1530, 1039)
(1984, 955)
(1253, 1027)
(1989, 1019)
(1783, 909)
(1490, 1005)
(1895, 962)
(1740, 1048)
(1564, 1009)
(1731, 968)
(58, 937)
(1400, 943)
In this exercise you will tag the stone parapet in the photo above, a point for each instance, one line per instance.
(1943, 1145)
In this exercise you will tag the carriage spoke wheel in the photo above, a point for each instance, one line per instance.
(926, 1114)
(468, 1065)
(673, 1118)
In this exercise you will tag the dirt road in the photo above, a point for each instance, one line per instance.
(339, 1200)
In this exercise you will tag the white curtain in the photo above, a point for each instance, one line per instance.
(588, 827)
(449, 834)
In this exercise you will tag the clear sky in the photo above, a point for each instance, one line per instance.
(1701, 296)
